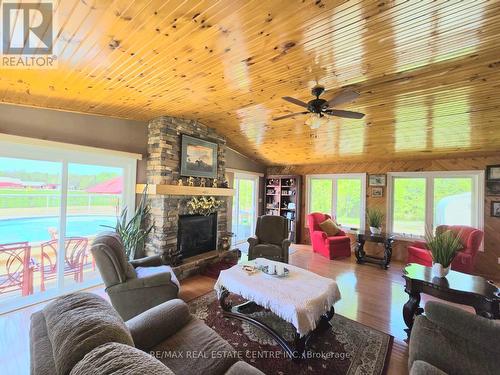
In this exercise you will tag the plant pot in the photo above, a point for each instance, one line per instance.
(374, 230)
(439, 271)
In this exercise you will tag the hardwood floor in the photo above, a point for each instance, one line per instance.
(370, 295)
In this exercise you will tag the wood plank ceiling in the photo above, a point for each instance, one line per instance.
(428, 72)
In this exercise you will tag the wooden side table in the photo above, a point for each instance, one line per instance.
(386, 238)
(456, 287)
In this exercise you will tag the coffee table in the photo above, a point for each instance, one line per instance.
(302, 298)
(456, 287)
(385, 238)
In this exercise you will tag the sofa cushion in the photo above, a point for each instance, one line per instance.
(113, 358)
(79, 322)
(243, 368)
(424, 368)
(41, 360)
(210, 353)
(329, 227)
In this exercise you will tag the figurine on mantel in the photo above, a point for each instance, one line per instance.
(203, 182)
(180, 182)
(214, 183)
(190, 181)
(225, 183)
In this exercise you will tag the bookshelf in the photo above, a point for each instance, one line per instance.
(283, 198)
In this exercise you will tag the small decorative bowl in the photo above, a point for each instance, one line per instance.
(266, 268)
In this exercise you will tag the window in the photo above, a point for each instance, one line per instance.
(244, 210)
(54, 198)
(423, 200)
(339, 195)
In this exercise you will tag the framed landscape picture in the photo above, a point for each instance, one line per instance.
(495, 208)
(377, 192)
(376, 180)
(198, 157)
(493, 173)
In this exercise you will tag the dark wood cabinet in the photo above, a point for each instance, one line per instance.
(282, 197)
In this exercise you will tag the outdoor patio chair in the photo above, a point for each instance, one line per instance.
(75, 253)
(16, 268)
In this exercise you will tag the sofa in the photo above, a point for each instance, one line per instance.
(133, 286)
(81, 334)
(332, 247)
(450, 340)
(471, 239)
(271, 240)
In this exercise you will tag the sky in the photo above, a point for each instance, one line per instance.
(12, 165)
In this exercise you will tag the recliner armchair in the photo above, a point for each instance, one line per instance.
(136, 286)
(271, 240)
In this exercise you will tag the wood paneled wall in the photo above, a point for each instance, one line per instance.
(486, 262)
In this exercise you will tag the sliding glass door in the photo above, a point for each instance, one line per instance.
(52, 206)
(244, 213)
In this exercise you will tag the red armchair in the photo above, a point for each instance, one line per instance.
(331, 247)
(471, 239)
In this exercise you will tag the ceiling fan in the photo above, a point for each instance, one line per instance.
(321, 107)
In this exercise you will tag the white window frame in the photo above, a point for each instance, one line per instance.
(477, 197)
(65, 154)
(334, 178)
(238, 174)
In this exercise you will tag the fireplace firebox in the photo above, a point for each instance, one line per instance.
(197, 234)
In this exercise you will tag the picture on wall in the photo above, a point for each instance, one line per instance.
(377, 192)
(495, 208)
(376, 180)
(198, 157)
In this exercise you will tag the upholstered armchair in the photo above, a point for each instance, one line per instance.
(471, 239)
(271, 239)
(136, 286)
(337, 246)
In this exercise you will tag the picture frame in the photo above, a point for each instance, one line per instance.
(376, 180)
(495, 209)
(377, 192)
(493, 172)
(198, 157)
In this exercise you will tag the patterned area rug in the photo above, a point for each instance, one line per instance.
(347, 348)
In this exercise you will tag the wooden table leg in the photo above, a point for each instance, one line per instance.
(359, 251)
(411, 309)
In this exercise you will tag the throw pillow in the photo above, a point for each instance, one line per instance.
(330, 227)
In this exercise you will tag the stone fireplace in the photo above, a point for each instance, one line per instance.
(168, 211)
(197, 234)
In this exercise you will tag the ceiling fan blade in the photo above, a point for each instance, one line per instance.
(343, 97)
(295, 101)
(289, 115)
(345, 114)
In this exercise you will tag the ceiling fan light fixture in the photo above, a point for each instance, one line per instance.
(315, 121)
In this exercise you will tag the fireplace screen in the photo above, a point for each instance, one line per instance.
(197, 234)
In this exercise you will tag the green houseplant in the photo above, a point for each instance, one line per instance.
(375, 217)
(133, 232)
(443, 247)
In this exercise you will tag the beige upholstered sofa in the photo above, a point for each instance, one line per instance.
(80, 334)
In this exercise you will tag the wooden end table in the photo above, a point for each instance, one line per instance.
(385, 238)
(456, 287)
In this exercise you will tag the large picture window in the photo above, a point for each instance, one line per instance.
(339, 195)
(420, 201)
(53, 202)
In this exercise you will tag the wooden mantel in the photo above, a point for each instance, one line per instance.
(183, 190)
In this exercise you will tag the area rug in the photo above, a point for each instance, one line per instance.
(347, 348)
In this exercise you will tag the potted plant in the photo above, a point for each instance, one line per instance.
(375, 218)
(133, 232)
(443, 247)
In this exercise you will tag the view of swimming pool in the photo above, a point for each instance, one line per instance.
(35, 229)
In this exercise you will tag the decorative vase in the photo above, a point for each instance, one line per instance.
(226, 243)
(375, 230)
(439, 271)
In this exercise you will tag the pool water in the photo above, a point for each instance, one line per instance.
(35, 229)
